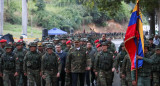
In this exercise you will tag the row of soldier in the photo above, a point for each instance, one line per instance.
(73, 62)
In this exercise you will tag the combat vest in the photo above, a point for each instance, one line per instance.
(106, 61)
(20, 54)
(9, 61)
(33, 60)
(50, 62)
(156, 65)
(122, 55)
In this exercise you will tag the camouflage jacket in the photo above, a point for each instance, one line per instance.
(77, 60)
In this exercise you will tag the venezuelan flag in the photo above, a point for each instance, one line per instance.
(134, 33)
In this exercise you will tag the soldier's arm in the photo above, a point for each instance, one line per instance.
(133, 75)
(24, 64)
(116, 62)
(96, 62)
(151, 60)
(42, 64)
(17, 62)
(68, 62)
(1, 64)
(88, 62)
(59, 64)
(124, 64)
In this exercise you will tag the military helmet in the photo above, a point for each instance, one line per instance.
(32, 44)
(76, 40)
(158, 47)
(146, 44)
(122, 44)
(49, 46)
(105, 44)
(56, 38)
(39, 44)
(8, 46)
(18, 43)
(21, 37)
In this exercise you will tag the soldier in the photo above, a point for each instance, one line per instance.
(55, 40)
(103, 38)
(77, 62)
(41, 51)
(32, 65)
(68, 46)
(90, 52)
(10, 66)
(126, 70)
(20, 52)
(3, 43)
(63, 56)
(104, 66)
(118, 62)
(144, 73)
(51, 66)
(1, 52)
(63, 41)
(155, 61)
(152, 46)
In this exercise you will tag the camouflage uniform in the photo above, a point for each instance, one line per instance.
(118, 63)
(10, 66)
(50, 67)
(155, 60)
(32, 66)
(104, 66)
(20, 79)
(76, 63)
(1, 79)
(126, 70)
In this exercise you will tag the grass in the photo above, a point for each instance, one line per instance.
(16, 30)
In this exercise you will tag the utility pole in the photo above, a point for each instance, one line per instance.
(24, 17)
(1, 16)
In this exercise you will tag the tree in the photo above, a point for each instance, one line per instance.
(24, 17)
(41, 5)
(1, 16)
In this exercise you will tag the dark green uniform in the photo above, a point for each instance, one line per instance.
(20, 79)
(104, 66)
(1, 52)
(126, 70)
(118, 63)
(32, 66)
(10, 65)
(50, 67)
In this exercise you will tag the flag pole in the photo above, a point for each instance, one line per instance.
(137, 28)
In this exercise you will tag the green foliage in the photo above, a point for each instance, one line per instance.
(40, 4)
(10, 16)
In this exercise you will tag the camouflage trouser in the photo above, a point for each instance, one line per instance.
(9, 76)
(105, 78)
(34, 77)
(128, 79)
(144, 81)
(51, 79)
(21, 80)
(68, 79)
(123, 80)
(156, 79)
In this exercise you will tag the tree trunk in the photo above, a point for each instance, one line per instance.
(1, 16)
(152, 24)
(158, 15)
(24, 17)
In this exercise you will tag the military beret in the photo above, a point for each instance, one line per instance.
(99, 45)
(96, 41)
(68, 42)
(3, 40)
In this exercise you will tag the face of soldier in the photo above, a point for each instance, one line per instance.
(3, 44)
(40, 48)
(77, 44)
(8, 50)
(89, 45)
(158, 52)
(63, 41)
(19, 47)
(69, 45)
(99, 49)
(103, 37)
(145, 49)
(96, 44)
(151, 41)
(123, 48)
(50, 51)
(58, 48)
(32, 49)
(55, 41)
(104, 48)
